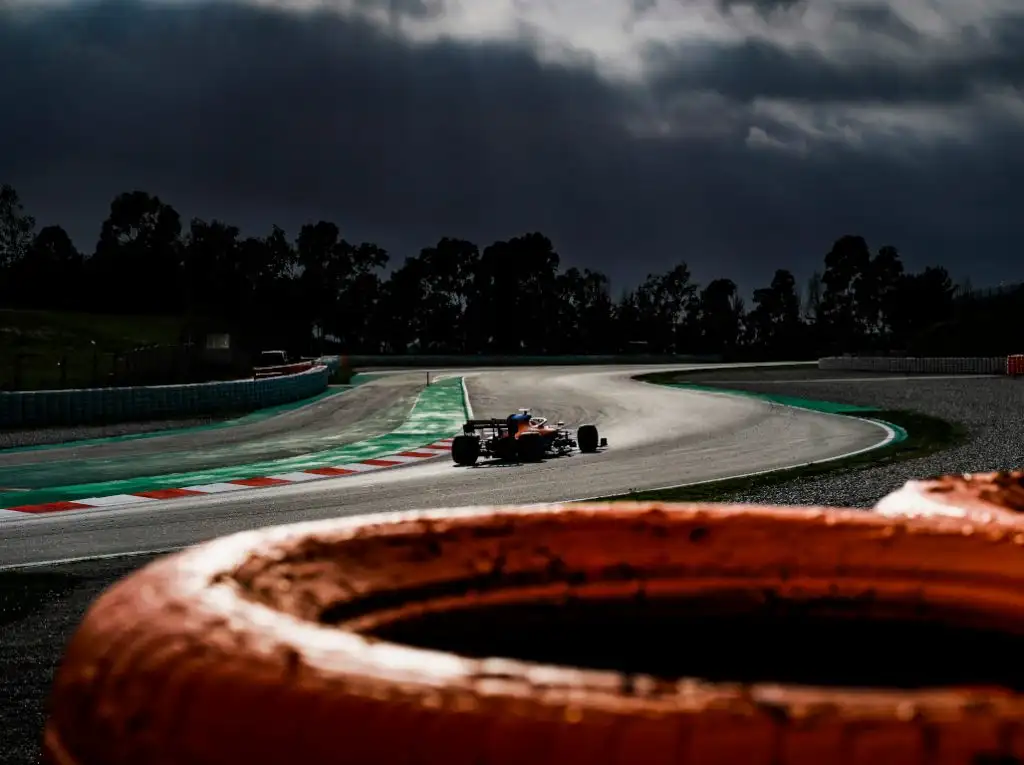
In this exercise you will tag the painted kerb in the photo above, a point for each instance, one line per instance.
(85, 406)
(967, 365)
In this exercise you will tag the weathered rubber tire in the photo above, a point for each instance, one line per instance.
(967, 495)
(530, 447)
(223, 653)
(465, 450)
(587, 438)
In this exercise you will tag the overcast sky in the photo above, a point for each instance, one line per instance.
(738, 135)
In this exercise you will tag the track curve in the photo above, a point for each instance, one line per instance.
(345, 417)
(658, 436)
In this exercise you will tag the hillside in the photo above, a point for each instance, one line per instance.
(33, 345)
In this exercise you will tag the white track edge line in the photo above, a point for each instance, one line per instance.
(465, 399)
(87, 558)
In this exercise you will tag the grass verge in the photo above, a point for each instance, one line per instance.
(37, 342)
(926, 435)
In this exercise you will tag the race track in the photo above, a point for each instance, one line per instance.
(346, 417)
(657, 436)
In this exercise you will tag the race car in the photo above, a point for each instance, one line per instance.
(521, 437)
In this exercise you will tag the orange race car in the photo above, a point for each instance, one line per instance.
(521, 437)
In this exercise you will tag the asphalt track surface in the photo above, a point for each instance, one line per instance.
(658, 436)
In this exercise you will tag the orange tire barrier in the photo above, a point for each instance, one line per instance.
(970, 495)
(822, 636)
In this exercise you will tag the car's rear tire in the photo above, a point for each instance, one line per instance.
(587, 438)
(530, 447)
(465, 450)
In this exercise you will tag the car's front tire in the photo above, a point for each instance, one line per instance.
(587, 438)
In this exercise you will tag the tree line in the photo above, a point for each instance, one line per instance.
(319, 292)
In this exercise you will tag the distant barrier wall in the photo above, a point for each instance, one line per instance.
(281, 370)
(34, 409)
(401, 361)
(978, 365)
(333, 363)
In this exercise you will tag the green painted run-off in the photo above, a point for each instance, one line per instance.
(439, 412)
(245, 419)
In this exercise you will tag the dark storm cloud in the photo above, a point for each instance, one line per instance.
(737, 155)
(416, 9)
(762, 6)
(757, 69)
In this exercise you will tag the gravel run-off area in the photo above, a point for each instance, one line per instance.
(39, 608)
(990, 408)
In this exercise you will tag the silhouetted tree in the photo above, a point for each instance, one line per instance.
(964, 288)
(321, 259)
(50, 274)
(586, 320)
(718, 316)
(811, 304)
(269, 264)
(272, 314)
(920, 302)
(876, 290)
(846, 264)
(512, 297)
(137, 265)
(212, 279)
(423, 304)
(16, 229)
(658, 311)
(331, 273)
(352, 319)
(774, 323)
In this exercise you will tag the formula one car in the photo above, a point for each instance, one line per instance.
(520, 437)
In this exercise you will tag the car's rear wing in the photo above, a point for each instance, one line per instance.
(474, 425)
